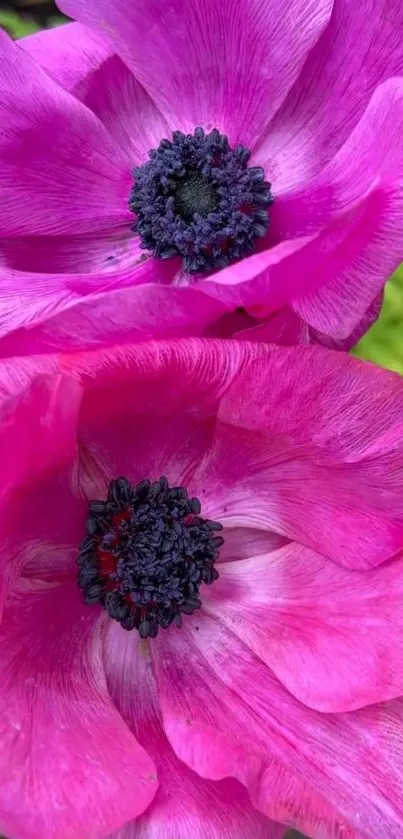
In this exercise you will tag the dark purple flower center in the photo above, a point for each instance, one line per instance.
(197, 198)
(146, 554)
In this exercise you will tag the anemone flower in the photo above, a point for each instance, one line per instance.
(201, 585)
(201, 168)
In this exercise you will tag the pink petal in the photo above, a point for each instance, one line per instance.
(79, 310)
(154, 414)
(17, 376)
(366, 175)
(125, 108)
(284, 327)
(317, 456)
(46, 524)
(48, 407)
(45, 412)
(69, 53)
(29, 299)
(329, 775)
(194, 373)
(370, 316)
(61, 171)
(221, 809)
(266, 279)
(351, 58)
(333, 652)
(336, 408)
(83, 63)
(298, 804)
(300, 264)
(191, 373)
(219, 64)
(65, 318)
(140, 446)
(69, 765)
(243, 543)
(148, 409)
(287, 328)
(71, 254)
(185, 804)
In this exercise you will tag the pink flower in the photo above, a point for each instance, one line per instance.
(309, 87)
(277, 699)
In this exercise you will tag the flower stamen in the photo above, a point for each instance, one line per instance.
(197, 198)
(146, 553)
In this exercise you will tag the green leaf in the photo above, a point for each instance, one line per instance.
(383, 343)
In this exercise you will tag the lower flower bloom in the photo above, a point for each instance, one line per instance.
(201, 586)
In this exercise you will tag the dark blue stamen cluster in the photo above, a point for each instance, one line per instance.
(146, 554)
(197, 198)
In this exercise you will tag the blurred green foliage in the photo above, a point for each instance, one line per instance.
(383, 344)
(16, 25)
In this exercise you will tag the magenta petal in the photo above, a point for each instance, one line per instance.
(78, 311)
(69, 53)
(61, 171)
(49, 409)
(192, 373)
(284, 327)
(185, 805)
(366, 175)
(46, 523)
(61, 319)
(69, 766)
(123, 442)
(30, 299)
(370, 316)
(157, 377)
(302, 265)
(218, 64)
(53, 255)
(149, 409)
(318, 457)
(244, 542)
(352, 57)
(195, 716)
(232, 715)
(287, 328)
(265, 279)
(84, 64)
(125, 108)
(221, 809)
(334, 653)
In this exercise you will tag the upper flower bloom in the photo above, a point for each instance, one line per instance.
(201, 584)
(162, 171)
